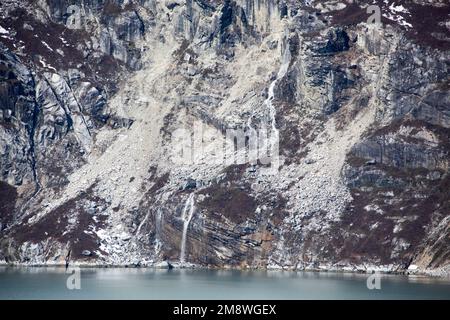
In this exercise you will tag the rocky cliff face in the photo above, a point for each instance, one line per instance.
(100, 98)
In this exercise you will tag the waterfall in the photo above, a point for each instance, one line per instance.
(186, 216)
(158, 223)
(281, 74)
(158, 230)
(272, 143)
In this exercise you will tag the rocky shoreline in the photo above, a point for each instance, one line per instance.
(94, 110)
(433, 273)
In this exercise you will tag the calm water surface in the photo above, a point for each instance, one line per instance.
(122, 283)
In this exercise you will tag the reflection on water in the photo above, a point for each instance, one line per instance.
(123, 283)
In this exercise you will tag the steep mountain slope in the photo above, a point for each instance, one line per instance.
(117, 130)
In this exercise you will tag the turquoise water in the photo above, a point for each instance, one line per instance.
(123, 283)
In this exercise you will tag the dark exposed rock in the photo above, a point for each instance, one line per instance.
(190, 184)
(338, 41)
(86, 253)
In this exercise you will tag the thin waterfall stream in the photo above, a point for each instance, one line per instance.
(272, 143)
(186, 216)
